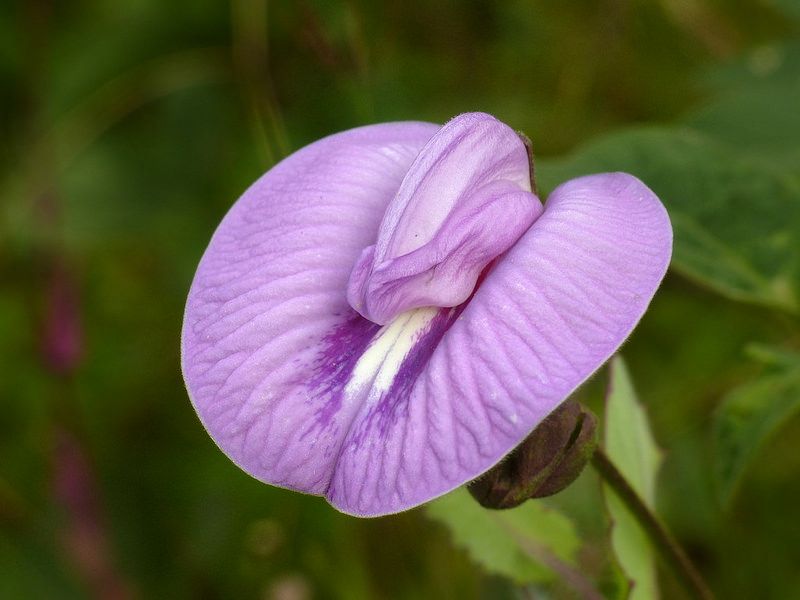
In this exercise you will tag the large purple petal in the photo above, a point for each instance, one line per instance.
(468, 384)
(268, 338)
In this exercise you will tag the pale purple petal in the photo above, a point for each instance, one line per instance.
(465, 200)
(303, 392)
(556, 306)
(268, 337)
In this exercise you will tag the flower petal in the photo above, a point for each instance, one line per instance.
(465, 200)
(552, 310)
(268, 338)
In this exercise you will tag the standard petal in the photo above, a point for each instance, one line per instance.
(465, 200)
(549, 314)
(268, 338)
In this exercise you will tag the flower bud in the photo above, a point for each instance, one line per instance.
(546, 462)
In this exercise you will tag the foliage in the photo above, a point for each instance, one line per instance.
(630, 445)
(750, 413)
(132, 126)
(522, 543)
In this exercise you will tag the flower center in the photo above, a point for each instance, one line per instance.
(381, 362)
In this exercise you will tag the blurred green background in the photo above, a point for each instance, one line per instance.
(129, 128)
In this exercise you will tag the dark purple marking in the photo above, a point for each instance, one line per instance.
(413, 365)
(395, 399)
(344, 346)
(332, 367)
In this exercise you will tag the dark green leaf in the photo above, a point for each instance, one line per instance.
(759, 121)
(750, 414)
(735, 222)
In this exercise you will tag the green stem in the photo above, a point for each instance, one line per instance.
(667, 546)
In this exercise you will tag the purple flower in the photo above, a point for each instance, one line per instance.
(389, 311)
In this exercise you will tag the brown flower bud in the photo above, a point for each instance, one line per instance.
(546, 462)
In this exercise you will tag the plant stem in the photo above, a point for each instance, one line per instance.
(672, 554)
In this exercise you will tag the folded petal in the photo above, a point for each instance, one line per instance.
(478, 378)
(465, 200)
(268, 338)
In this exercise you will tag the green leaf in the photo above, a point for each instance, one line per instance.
(630, 445)
(750, 414)
(773, 63)
(760, 121)
(522, 543)
(735, 221)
